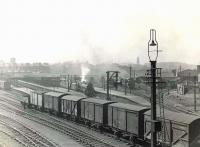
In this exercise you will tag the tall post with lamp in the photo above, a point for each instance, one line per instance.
(153, 54)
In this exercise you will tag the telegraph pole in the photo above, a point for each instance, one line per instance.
(134, 79)
(129, 79)
(108, 81)
(116, 80)
(125, 86)
(68, 82)
(195, 99)
(103, 83)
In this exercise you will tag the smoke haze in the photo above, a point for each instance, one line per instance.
(98, 30)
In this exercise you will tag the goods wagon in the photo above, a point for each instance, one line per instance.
(179, 129)
(37, 99)
(95, 111)
(52, 102)
(24, 97)
(5, 85)
(127, 119)
(71, 106)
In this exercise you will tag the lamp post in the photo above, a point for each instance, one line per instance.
(153, 54)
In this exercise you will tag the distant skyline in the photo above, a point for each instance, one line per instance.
(98, 30)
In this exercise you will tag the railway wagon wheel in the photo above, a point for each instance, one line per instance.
(132, 140)
(88, 123)
(118, 134)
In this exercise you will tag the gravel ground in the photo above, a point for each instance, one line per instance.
(6, 140)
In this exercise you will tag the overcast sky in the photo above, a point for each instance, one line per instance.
(98, 30)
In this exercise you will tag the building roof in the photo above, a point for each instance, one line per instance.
(188, 73)
(129, 107)
(72, 97)
(97, 101)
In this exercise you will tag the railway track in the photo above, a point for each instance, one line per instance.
(170, 106)
(81, 136)
(71, 124)
(83, 127)
(24, 135)
(13, 138)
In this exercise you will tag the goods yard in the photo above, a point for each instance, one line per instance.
(56, 130)
(126, 121)
(99, 73)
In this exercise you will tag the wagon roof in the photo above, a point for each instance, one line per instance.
(129, 106)
(40, 91)
(55, 94)
(178, 117)
(72, 97)
(3, 81)
(96, 100)
(22, 90)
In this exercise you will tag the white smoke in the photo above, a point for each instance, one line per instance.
(84, 71)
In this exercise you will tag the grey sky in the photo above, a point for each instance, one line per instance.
(98, 30)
